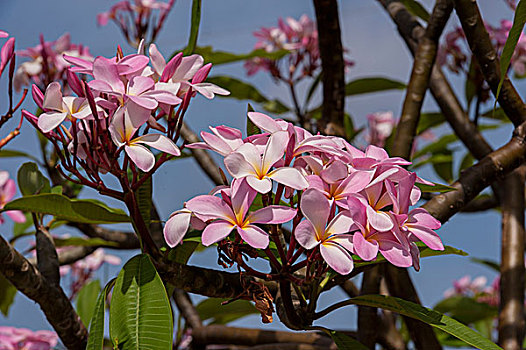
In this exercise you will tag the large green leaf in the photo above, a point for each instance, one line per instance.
(344, 342)
(62, 207)
(241, 90)
(488, 263)
(87, 300)
(194, 29)
(429, 120)
(431, 317)
(519, 20)
(466, 310)
(31, 181)
(144, 200)
(96, 328)
(7, 295)
(368, 85)
(9, 153)
(437, 188)
(222, 57)
(140, 312)
(213, 310)
(181, 253)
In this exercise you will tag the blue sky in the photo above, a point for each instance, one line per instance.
(375, 47)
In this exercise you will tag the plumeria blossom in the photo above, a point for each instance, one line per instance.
(381, 126)
(7, 192)
(247, 162)
(477, 289)
(333, 238)
(223, 140)
(123, 127)
(230, 212)
(12, 338)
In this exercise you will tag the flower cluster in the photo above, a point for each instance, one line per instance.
(82, 270)
(12, 338)
(7, 192)
(341, 201)
(477, 289)
(454, 53)
(126, 94)
(7, 51)
(137, 18)
(299, 38)
(46, 62)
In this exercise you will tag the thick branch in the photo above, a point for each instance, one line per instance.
(187, 309)
(205, 161)
(474, 179)
(332, 64)
(125, 240)
(418, 83)
(480, 43)
(511, 316)
(55, 304)
(368, 316)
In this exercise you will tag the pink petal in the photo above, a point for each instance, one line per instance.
(201, 74)
(163, 97)
(345, 240)
(367, 250)
(426, 235)
(170, 68)
(49, 121)
(340, 224)
(38, 96)
(4, 176)
(275, 149)
(335, 172)
(337, 257)
(264, 122)
(242, 197)
(306, 235)
(144, 102)
(132, 63)
(188, 67)
(138, 85)
(395, 253)
(261, 185)
(290, 177)
(380, 221)
(9, 190)
(100, 85)
(210, 206)
(215, 232)
(237, 166)
(254, 236)
(315, 207)
(106, 70)
(157, 59)
(160, 142)
(375, 152)
(273, 214)
(176, 227)
(53, 97)
(141, 156)
(8, 49)
(422, 217)
(355, 182)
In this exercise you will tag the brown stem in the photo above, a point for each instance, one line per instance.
(187, 309)
(480, 43)
(52, 299)
(47, 258)
(125, 240)
(418, 83)
(511, 315)
(332, 64)
(368, 316)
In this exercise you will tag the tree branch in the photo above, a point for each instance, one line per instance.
(480, 43)
(511, 315)
(332, 64)
(368, 316)
(52, 299)
(418, 83)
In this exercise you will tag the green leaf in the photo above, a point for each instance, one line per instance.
(416, 9)
(140, 312)
(488, 263)
(252, 128)
(431, 317)
(7, 295)
(438, 146)
(194, 29)
(519, 19)
(144, 200)
(87, 300)
(467, 161)
(437, 188)
(466, 310)
(244, 91)
(19, 228)
(76, 210)
(56, 189)
(213, 310)
(344, 342)
(429, 120)
(183, 252)
(9, 153)
(443, 166)
(222, 57)
(368, 85)
(96, 328)
(350, 131)
(31, 181)
(83, 242)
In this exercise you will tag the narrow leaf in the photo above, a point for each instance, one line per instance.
(465, 309)
(9, 153)
(368, 85)
(488, 263)
(223, 57)
(252, 128)
(87, 300)
(344, 342)
(96, 328)
(437, 188)
(144, 200)
(7, 295)
(140, 312)
(194, 29)
(213, 309)
(416, 9)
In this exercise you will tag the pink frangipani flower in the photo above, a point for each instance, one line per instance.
(231, 213)
(333, 238)
(7, 192)
(247, 162)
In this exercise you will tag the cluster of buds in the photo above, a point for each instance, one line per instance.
(300, 39)
(112, 114)
(12, 338)
(46, 62)
(454, 54)
(337, 199)
(7, 192)
(476, 289)
(137, 19)
(82, 271)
